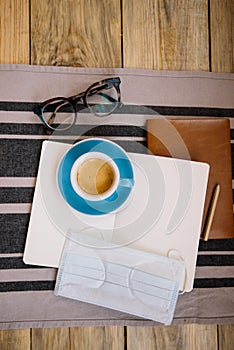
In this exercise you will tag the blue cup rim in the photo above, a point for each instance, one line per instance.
(115, 200)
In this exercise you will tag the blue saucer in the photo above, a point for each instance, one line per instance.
(109, 204)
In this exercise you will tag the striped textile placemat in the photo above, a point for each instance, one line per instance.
(26, 292)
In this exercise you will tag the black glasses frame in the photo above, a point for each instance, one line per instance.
(79, 98)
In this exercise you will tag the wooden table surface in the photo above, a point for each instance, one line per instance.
(151, 34)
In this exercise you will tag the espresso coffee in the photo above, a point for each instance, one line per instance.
(95, 176)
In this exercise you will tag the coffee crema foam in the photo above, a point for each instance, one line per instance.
(95, 176)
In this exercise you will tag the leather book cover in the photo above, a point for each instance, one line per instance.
(205, 140)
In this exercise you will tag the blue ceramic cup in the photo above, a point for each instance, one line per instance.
(78, 184)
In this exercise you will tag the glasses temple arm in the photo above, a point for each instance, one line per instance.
(111, 99)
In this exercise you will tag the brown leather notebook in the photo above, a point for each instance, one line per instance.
(205, 140)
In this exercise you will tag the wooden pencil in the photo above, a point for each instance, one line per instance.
(211, 212)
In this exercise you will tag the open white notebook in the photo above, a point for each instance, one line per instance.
(163, 215)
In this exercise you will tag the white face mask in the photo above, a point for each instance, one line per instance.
(120, 278)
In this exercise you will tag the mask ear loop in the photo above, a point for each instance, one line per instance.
(176, 254)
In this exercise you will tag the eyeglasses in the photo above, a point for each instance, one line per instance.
(60, 113)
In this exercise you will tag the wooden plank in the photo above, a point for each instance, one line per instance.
(14, 31)
(221, 35)
(174, 337)
(50, 338)
(166, 34)
(98, 338)
(226, 336)
(169, 338)
(76, 33)
(205, 337)
(15, 339)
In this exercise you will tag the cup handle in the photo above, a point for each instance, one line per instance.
(126, 182)
(123, 183)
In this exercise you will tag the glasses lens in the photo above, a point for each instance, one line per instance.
(59, 114)
(102, 99)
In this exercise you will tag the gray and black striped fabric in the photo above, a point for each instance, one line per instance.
(26, 292)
